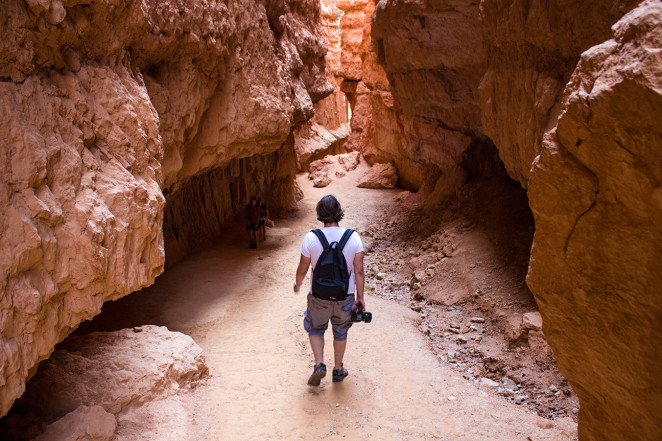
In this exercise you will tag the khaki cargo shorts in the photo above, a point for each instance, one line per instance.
(319, 312)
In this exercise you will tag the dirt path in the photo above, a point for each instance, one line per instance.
(239, 306)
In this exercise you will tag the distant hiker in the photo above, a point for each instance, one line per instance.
(262, 222)
(332, 287)
(252, 217)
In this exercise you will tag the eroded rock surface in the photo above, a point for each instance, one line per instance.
(380, 176)
(83, 424)
(533, 48)
(327, 132)
(380, 131)
(110, 106)
(323, 171)
(595, 193)
(594, 153)
(434, 56)
(201, 206)
(82, 206)
(91, 380)
(114, 370)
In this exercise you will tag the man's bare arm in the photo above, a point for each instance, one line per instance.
(359, 278)
(302, 270)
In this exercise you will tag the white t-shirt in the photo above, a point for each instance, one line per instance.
(312, 247)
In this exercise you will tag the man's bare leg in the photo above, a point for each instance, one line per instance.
(317, 344)
(338, 352)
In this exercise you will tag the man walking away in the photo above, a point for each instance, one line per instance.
(252, 217)
(328, 300)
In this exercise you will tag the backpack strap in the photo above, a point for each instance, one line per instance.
(345, 237)
(322, 238)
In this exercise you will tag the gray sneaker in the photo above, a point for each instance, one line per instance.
(339, 374)
(318, 374)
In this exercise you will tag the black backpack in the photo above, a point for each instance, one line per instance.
(330, 275)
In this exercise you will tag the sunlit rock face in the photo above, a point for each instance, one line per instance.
(327, 132)
(434, 56)
(112, 385)
(596, 195)
(377, 126)
(533, 49)
(108, 106)
(570, 95)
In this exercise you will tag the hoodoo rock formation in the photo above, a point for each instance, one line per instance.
(572, 108)
(114, 113)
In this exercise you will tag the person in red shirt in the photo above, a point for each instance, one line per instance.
(252, 211)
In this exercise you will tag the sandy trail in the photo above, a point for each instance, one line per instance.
(238, 304)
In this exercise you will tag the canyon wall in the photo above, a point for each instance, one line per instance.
(327, 132)
(596, 194)
(533, 49)
(570, 97)
(199, 210)
(377, 126)
(115, 111)
(412, 76)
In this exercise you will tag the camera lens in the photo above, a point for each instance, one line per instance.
(367, 317)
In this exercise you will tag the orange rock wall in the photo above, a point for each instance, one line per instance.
(570, 95)
(404, 106)
(375, 123)
(596, 195)
(533, 49)
(328, 130)
(110, 108)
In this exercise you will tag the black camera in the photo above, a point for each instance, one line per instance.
(359, 315)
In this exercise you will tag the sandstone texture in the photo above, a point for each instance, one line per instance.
(380, 176)
(323, 171)
(83, 424)
(95, 384)
(115, 370)
(349, 161)
(319, 171)
(327, 131)
(82, 206)
(379, 131)
(314, 139)
(595, 194)
(533, 49)
(110, 110)
(200, 208)
(569, 96)
(434, 56)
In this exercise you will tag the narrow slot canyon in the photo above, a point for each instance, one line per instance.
(499, 160)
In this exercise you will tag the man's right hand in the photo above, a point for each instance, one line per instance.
(296, 287)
